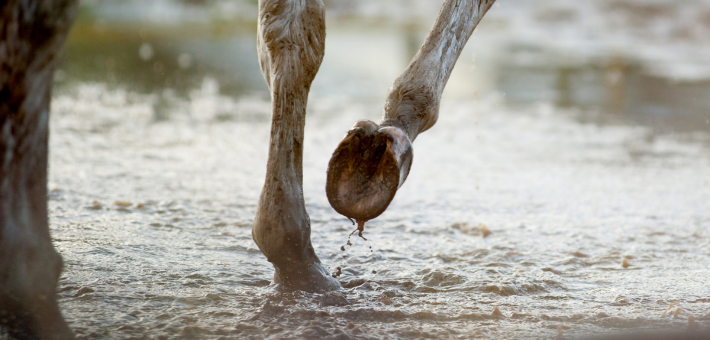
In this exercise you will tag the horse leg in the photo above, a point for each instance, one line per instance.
(31, 36)
(373, 161)
(291, 44)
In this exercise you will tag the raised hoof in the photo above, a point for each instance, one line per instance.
(367, 168)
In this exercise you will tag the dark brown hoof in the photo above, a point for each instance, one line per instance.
(367, 168)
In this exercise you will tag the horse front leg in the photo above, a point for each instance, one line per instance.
(291, 44)
(31, 36)
(373, 160)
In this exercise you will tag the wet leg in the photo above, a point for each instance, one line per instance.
(373, 160)
(291, 43)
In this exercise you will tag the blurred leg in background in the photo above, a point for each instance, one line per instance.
(31, 37)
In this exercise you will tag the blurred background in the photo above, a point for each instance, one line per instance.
(576, 132)
(622, 61)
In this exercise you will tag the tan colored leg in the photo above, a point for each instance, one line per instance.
(291, 44)
(373, 160)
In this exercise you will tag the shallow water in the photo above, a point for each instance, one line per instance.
(575, 164)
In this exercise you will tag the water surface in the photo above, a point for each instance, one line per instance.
(590, 168)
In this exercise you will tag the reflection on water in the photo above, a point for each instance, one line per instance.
(590, 170)
(148, 59)
(620, 89)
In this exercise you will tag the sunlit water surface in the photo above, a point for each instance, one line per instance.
(594, 186)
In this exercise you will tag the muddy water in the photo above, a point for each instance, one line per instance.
(589, 174)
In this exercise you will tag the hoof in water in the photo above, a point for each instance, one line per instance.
(333, 299)
(311, 277)
(366, 170)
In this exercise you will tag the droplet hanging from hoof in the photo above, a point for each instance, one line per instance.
(361, 228)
